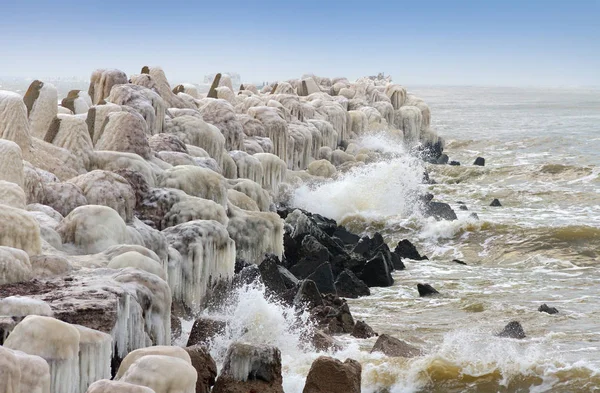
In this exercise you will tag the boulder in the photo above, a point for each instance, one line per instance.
(329, 375)
(362, 330)
(479, 161)
(454, 163)
(270, 274)
(463, 207)
(312, 254)
(205, 367)
(426, 290)
(348, 285)
(333, 316)
(377, 272)
(442, 159)
(547, 309)
(290, 281)
(323, 278)
(249, 368)
(513, 330)
(459, 261)
(394, 347)
(439, 210)
(205, 329)
(308, 294)
(496, 203)
(322, 341)
(345, 236)
(405, 249)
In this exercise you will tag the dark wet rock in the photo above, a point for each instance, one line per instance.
(463, 207)
(323, 277)
(322, 341)
(394, 347)
(496, 203)
(513, 330)
(327, 225)
(329, 375)
(439, 210)
(205, 366)
(426, 290)
(454, 163)
(205, 329)
(405, 249)
(397, 262)
(333, 316)
(377, 272)
(249, 275)
(263, 366)
(346, 236)
(348, 285)
(240, 264)
(308, 294)
(479, 161)
(271, 276)
(362, 330)
(474, 216)
(459, 261)
(547, 309)
(312, 255)
(289, 280)
(442, 159)
(427, 197)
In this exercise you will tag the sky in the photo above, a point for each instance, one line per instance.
(418, 42)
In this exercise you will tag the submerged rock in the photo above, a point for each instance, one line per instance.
(454, 163)
(440, 211)
(426, 290)
(362, 330)
(329, 375)
(513, 330)
(249, 368)
(496, 203)
(405, 249)
(377, 272)
(479, 161)
(459, 262)
(394, 347)
(547, 309)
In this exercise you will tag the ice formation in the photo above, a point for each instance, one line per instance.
(136, 260)
(207, 255)
(12, 195)
(56, 342)
(95, 353)
(77, 102)
(23, 373)
(162, 350)
(102, 81)
(19, 230)
(40, 99)
(125, 132)
(107, 386)
(162, 374)
(196, 181)
(222, 114)
(71, 133)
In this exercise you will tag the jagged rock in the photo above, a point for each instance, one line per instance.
(323, 278)
(270, 274)
(496, 203)
(426, 290)
(405, 249)
(345, 236)
(240, 264)
(377, 272)
(205, 329)
(392, 346)
(439, 210)
(397, 262)
(547, 309)
(513, 330)
(479, 161)
(308, 294)
(442, 159)
(329, 375)
(334, 315)
(205, 367)
(248, 275)
(249, 368)
(454, 163)
(348, 285)
(459, 261)
(288, 278)
(322, 341)
(474, 216)
(312, 254)
(362, 330)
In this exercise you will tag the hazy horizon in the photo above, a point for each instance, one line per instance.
(460, 43)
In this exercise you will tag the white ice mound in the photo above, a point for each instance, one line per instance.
(23, 373)
(163, 350)
(136, 260)
(163, 374)
(11, 161)
(107, 386)
(102, 81)
(19, 230)
(95, 353)
(196, 181)
(71, 133)
(41, 101)
(125, 132)
(12, 195)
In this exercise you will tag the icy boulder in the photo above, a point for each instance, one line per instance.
(11, 162)
(19, 230)
(102, 81)
(41, 101)
(107, 386)
(163, 374)
(162, 350)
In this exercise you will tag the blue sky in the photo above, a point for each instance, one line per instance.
(548, 43)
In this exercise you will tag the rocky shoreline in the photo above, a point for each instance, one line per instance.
(132, 206)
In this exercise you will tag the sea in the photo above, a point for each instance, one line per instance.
(542, 246)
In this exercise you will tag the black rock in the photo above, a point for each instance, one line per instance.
(495, 203)
(474, 215)
(459, 261)
(325, 224)
(308, 294)
(439, 210)
(427, 197)
(426, 290)
(442, 160)
(463, 207)
(345, 236)
(323, 277)
(397, 262)
(432, 150)
(288, 278)
(454, 163)
(545, 308)
(348, 285)
(248, 275)
(312, 254)
(377, 272)
(405, 249)
(270, 274)
(513, 330)
(479, 161)
(240, 264)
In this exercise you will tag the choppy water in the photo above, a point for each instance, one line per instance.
(542, 150)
